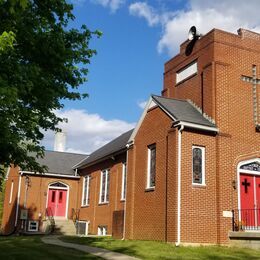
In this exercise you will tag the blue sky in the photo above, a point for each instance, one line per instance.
(138, 38)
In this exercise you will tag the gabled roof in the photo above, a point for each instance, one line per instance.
(60, 162)
(181, 111)
(112, 148)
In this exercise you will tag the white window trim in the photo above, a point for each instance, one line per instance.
(203, 183)
(100, 193)
(102, 230)
(37, 225)
(11, 192)
(186, 72)
(87, 191)
(124, 169)
(148, 181)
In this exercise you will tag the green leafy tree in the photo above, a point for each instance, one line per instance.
(42, 62)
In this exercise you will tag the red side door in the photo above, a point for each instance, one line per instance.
(247, 205)
(57, 200)
(61, 203)
(257, 197)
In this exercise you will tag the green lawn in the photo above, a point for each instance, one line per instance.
(31, 247)
(156, 250)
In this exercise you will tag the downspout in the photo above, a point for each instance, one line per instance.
(127, 146)
(166, 190)
(179, 189)
(18, 199)
(202, 92)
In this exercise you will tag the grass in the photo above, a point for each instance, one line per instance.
(158, 250)
(31, 247)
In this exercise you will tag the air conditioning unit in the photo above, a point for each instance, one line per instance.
(82, 228)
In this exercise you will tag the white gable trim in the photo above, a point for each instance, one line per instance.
(50, 174)
(150, 104)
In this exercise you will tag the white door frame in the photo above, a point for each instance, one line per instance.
(239, 171)
(67, 197)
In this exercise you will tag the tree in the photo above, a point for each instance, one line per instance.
(42, 62)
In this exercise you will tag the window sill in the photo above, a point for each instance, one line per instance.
(149, 189)
(102, 203)
(122, 200)
(196, 185)
(85, 206)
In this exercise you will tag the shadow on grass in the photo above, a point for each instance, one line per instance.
(25, 247)
(158, 250)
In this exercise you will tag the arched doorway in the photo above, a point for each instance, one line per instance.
(57, 199)
(249, 193)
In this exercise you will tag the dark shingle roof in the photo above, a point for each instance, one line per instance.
(182, 110)
(115, 146)
(60, 162)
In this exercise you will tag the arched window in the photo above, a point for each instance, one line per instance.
(198, 165)
(58, 184)
(252, 166)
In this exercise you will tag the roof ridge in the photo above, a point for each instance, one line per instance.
(206, 116)
(178, 99)
(67, 152)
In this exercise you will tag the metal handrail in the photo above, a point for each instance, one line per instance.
(49, 215)
(245, 219)
(75, 215)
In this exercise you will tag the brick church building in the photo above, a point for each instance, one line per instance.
(190, 170)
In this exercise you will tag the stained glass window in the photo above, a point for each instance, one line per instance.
(104, 187)
(253, 166)
(198, 164)
(151, 166)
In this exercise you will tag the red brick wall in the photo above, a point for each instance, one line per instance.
(222, 57)
(8, 220)
(36, 197)
(198, 203)
(102, 214)
(146, 209)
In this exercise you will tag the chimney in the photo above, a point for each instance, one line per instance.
(60, 142)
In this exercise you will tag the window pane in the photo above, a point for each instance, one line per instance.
(152, 166)
(197, 165)
(108, 179)
(60, 196)
(123, 194)
(103, 179)
(53, 196)
(87, 192)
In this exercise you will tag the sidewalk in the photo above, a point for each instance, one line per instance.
(106, 254)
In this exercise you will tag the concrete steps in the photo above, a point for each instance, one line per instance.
(246, 239)
(64, 227)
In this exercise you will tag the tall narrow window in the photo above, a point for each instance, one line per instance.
(11, 192)
(123, 190)
(151, 167)
(85, 191)
(104, 187)
(198, 165)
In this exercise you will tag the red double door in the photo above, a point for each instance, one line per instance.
(57, 199)
(250, 200)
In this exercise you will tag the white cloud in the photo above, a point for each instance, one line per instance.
(227, 15)
(142, 104)
(113, 5)
(87, 132)
(142, 9)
